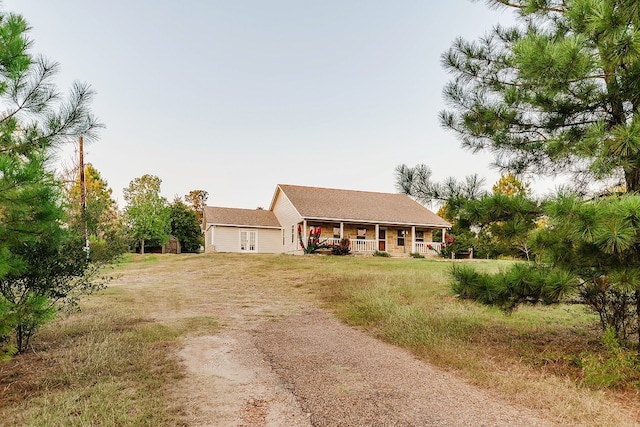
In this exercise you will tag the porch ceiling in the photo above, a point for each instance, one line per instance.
(381, 223)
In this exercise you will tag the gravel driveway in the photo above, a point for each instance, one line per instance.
(342, 377)
(308, 369)
(275, 359)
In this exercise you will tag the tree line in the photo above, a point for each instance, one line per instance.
(147, 218)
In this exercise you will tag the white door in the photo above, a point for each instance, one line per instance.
(248, 241)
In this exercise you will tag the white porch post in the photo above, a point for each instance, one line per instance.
(304, 230)
(413, 239)
(342, 230)
(444, 235)
(377, 236)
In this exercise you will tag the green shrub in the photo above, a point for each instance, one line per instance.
(343, 248)
(617, 368)
(520, 284)
(382, 254)
(416, 255)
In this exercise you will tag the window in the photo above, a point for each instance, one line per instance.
(419, 236)
(361, 233)
(293, 233)
(401, 237)
(336, 231)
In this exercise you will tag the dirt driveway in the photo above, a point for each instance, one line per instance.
(308, 369)
(279, 360)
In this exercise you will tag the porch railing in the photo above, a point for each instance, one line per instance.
(357, 245)
(429, 248)
(332, 241)
(361, 245)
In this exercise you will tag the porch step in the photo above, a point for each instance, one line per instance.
(396, 255)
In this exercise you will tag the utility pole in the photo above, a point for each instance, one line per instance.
(83, 196)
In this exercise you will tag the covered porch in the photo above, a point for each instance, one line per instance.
(367, 238)
(370, 246)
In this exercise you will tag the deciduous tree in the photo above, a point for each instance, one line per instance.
(185, 226)
(197, 199)
(147, 213)
(510, 185)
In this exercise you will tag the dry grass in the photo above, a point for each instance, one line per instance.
(532, 357)
(114, 364)
(98, 368)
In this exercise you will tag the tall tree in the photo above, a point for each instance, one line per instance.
(35, 119)
(560, 92)
(147, 213)
(197, 199)
(557, 92)
(185, 226)
(42, 263)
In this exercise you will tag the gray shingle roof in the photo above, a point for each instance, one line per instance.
(240, 217)
(350, 205)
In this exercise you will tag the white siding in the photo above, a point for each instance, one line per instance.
(288, 217)
(227, 239)
(269, 241)
(209, 236)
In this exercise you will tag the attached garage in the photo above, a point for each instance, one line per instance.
(241, 230)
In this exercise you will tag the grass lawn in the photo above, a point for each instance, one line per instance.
(114, 363)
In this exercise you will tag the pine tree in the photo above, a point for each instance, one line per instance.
(558, 92)
(42, 263)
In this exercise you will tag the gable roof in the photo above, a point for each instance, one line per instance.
(350, 205)
(240, 217)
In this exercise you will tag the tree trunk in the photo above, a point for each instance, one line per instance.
(632, 180)
(638, 321)
(19, 336)
(142, 246)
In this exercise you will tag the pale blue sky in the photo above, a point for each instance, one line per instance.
(236, 96)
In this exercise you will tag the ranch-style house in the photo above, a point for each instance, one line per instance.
(385, 222)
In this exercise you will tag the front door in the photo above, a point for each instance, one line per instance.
(382, 239)
(402, 239)
(248, 241)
